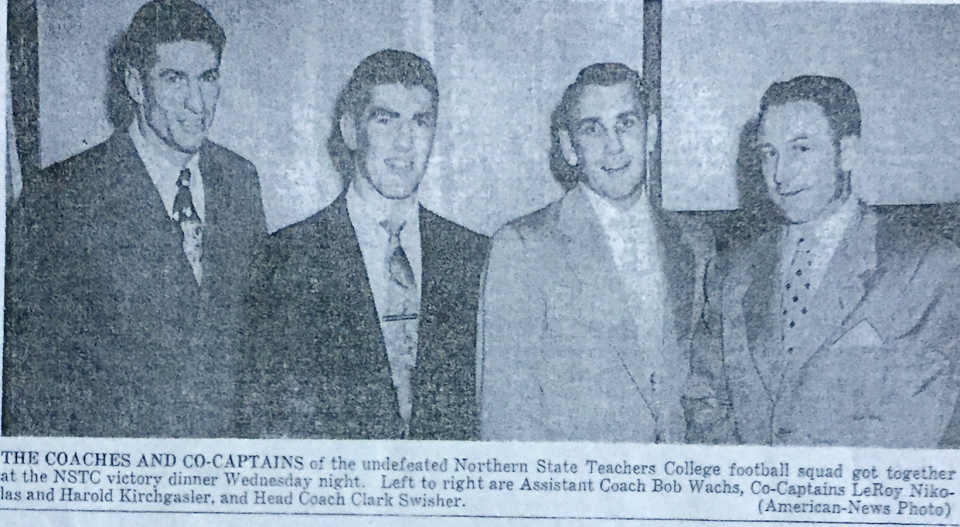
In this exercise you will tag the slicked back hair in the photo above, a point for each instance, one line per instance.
(837, 100)
(603, 74)
(835, 97)
(388, 66)
(157, 22)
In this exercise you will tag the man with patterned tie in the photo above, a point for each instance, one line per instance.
(840, 327)
(127, 272)
(365, 314)
(590, 304)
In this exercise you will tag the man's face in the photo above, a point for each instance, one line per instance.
(609, 135)
(396, 135)
(799, 159)
(180, 93)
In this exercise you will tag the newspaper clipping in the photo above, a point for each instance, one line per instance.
(460, 262)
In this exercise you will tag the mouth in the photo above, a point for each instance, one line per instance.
(790, 194)
(399, 164)
(192, 127)
(616, 170)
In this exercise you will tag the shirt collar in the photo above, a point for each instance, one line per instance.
(640, 212)
(370, 208)
(163, 170)
(830, 229)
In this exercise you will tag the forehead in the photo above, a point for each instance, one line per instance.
(795, 119)
(405, 100)
(597, 101)
(186, 55)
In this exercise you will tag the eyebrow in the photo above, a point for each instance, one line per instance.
(587, 120)
(168, 71)
(377, 111)
(800, 138)
(634, 113)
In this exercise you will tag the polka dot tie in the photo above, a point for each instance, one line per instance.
(797, 297)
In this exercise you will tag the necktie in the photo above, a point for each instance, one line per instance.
(185, 214)
(400, 320)
(797, 294)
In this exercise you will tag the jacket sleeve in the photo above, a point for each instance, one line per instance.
(512, 313)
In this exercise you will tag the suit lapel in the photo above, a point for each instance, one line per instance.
(590, 260)
(681, 271)
(216, 256)
(760, 310)
(133, 208)
(354, 347)
(841, 290)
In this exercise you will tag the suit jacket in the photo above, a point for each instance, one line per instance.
(315, 364)
(560, 353)
(878, 366)
(107, 332)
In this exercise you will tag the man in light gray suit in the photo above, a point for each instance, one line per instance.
(590, 303)
(839, 327)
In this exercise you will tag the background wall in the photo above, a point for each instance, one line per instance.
(502, 65)
(902, 60)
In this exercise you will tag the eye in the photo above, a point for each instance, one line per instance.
(173, 77)
(424, 121)
(628, 122)
(211, 76)
(801, 148)
(590, 129)
(768, 153)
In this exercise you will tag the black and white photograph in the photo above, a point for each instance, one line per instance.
(724, 232)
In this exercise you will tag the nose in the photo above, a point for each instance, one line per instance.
(194, 98)
(613, 144)
(404, 138)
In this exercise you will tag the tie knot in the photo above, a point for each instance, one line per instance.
(393, 227)
(184, 179)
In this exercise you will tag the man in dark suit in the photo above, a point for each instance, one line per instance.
(125, 276)
(590, 304)
(365, 314)
(839, 327)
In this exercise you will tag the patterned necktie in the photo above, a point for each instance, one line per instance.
(185, 214)
(400, 321)
(797, 294)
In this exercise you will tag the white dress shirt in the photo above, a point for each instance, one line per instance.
(367, 210)
(807, 250)
(632, 237)
(821, 238)
(164, 171)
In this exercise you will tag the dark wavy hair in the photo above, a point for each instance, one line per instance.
(835, 97)
(388, 66)
(157, 22)
(604, 74)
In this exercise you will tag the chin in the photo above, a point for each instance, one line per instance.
(396, 192)
(190, 146)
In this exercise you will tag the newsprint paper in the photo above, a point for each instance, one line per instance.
(470, 262)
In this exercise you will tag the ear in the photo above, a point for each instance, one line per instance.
(134, 85)
(348, 129)
(566, 148)
(653, 129)
(850, 153)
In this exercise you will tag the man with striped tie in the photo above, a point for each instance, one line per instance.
(128, 262)
(365, 314)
